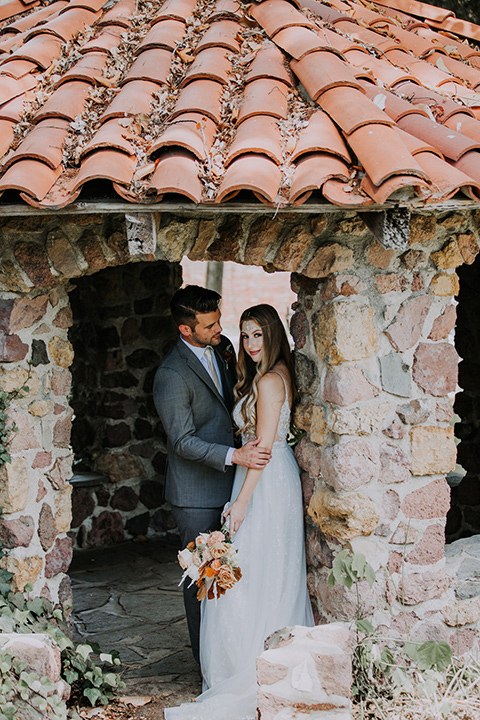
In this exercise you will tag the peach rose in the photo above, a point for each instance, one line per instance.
(215, 537)
(226, 578)
(219, 549)
(216, 565)
(201, 539)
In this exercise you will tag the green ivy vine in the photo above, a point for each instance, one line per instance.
(6, 429)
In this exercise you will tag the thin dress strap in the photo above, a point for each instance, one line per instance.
(285, 386)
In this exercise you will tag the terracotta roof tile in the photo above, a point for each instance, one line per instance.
(134, 97)
(412, 7)
(89, 68)
(459, 27)
(269, 63)
(110, 164)
(258, 134)
(251, 172)
(321, 135)
(319, 71)
(312, 172)
(164, 34)
(31, 177)
(153, 65)
(276, 15)
(6, 135)
(221, 34)
(111, 134)
(43, 143)
(351, 109)
(210, 64)
(177, 172)
(120, 14)
(93, 5)
(28, 21)
(190, 131)
(388, 188)
(298, 41)
(446, 180)
(470, 164)
(17, 68)
(13, 110)
(67, 102)
(65, 24)
(202, 96)
(12, 8)
(264, 97)
(391, 102)
(369, 142)
(13, 87)
(465, 125)
(225, 9)
(42, 50)
(450, 143)
(176, 9)
(105, 41)
(342, 193)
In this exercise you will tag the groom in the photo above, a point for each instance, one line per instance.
(193, 394)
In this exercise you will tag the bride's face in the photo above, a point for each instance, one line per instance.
(252, 340)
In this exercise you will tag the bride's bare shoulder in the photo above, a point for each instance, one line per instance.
(273, 382)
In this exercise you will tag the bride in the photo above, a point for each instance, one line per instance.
(266, 519)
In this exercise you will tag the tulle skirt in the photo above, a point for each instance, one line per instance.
(271, 595)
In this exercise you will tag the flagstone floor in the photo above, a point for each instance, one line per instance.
(127, 598)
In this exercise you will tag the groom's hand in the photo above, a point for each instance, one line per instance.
(251, 455)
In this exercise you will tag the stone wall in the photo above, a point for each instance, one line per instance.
(464, 516)
(378, 371)
(121, 331)
(34, 489)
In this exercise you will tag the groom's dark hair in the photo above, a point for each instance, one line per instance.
(189, 301)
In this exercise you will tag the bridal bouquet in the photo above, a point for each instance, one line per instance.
(211, 563)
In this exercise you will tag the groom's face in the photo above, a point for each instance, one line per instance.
(206, 331)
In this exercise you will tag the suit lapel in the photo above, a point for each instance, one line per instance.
(194, 364)
(226, 384)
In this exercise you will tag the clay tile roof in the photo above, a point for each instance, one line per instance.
(277, 101)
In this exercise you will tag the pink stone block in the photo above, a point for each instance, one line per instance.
(347, 385)
(407, 327)
(428, 502)
(350, 465)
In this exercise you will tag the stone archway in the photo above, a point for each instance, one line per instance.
(376, 371)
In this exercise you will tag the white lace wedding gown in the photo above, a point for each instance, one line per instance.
(271, 595)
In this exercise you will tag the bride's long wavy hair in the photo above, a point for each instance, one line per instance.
(275, 348)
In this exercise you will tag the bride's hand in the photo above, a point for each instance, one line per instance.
(236, 512)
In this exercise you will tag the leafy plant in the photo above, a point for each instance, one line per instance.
(89, 671)
(23, 689)
(6, 429)
(386, 669)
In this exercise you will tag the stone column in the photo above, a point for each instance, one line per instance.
(377, 371)
(34, 488)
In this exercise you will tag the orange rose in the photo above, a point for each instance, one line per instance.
(226, 578)
(219, 549)
(215, 537)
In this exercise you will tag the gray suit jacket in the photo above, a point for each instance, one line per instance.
(199, 427)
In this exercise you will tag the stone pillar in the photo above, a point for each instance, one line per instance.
(377, 371)
(34, 488)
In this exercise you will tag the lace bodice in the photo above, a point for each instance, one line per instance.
(283, 422)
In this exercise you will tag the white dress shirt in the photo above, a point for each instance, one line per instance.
(200, 354)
